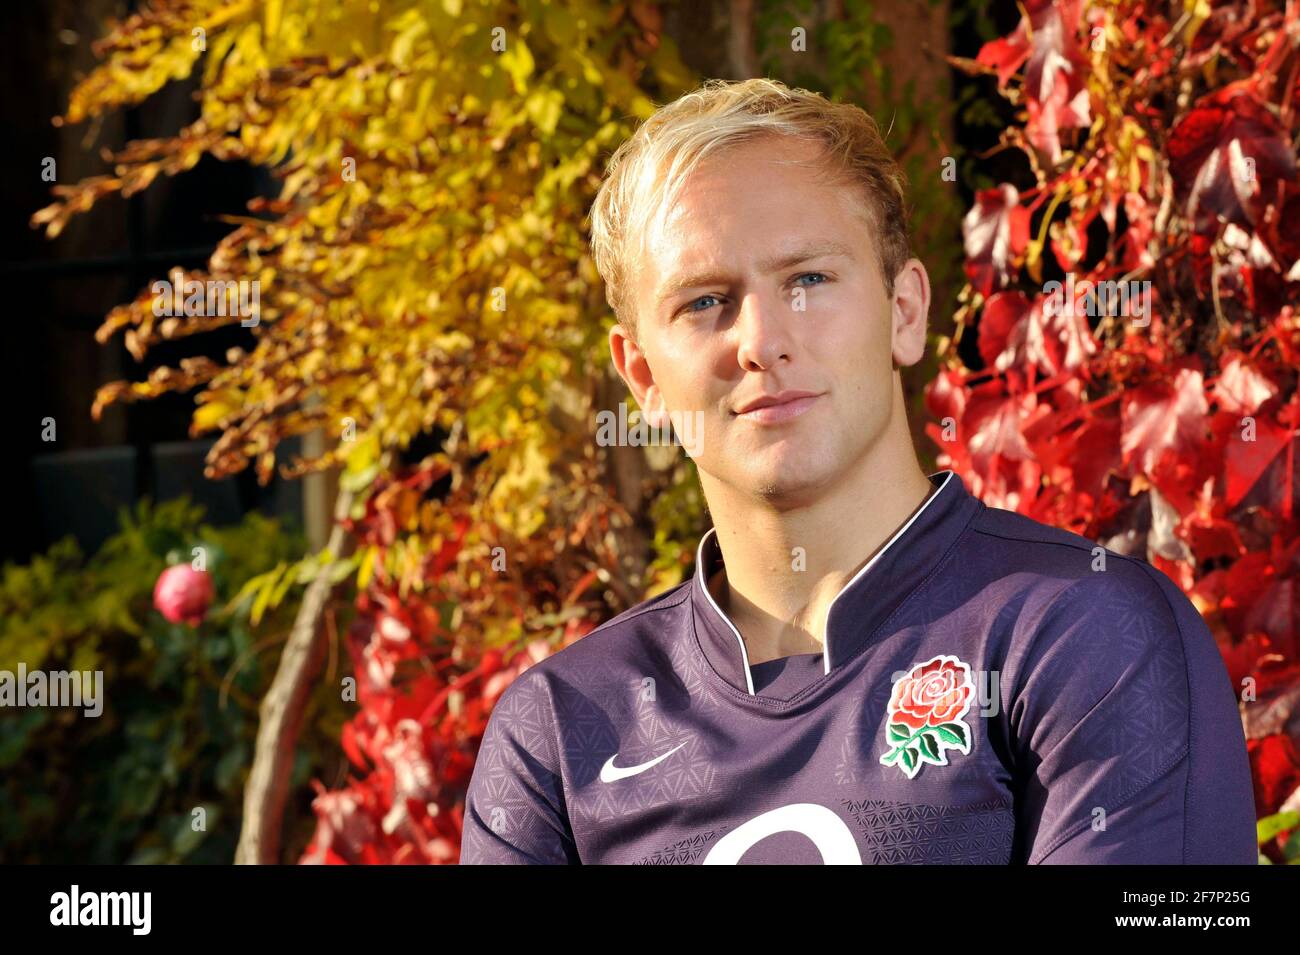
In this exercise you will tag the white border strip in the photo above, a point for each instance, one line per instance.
(899, 533)
(704, 585)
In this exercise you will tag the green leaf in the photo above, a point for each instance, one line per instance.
(929, 748)
(282, 588)
(954, 733)
(250, 587)
(151, 855)
(264, 597)
(341, 569)
(1272, 826)
(909, 757)
(899, 733)
(20, 730)
(187, 838)
(1291, 851)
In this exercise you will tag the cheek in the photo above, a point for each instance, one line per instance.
(858, 329)
(683, 371)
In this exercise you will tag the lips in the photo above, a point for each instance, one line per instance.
(781, 406)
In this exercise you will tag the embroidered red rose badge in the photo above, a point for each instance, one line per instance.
(924, 718)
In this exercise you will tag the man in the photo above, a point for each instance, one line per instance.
(868, 665)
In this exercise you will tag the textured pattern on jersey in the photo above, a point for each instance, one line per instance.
(902, 833)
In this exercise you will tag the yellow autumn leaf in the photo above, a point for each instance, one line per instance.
(1198, 12)
(544, 108)
(517, 61)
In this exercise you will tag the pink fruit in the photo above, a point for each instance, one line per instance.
(183, 594)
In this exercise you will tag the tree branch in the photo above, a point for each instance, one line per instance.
(740, 40)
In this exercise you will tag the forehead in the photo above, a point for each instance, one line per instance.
(753, 176)
(756, 200)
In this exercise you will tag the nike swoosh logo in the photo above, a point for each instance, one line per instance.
(610, 773)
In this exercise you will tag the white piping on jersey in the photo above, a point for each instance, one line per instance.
(826, 652)
(897, 534)
(704, 584)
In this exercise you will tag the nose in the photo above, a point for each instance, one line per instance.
(763, 331)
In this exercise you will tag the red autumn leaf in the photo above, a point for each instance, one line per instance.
(1067, 330)
(1207, 532)
(1211, 537)
(1275, 766)
(1248, 451)
(1063, 103)
(994, 231)
(1006, 54)
(1223, 151)
(1005, 470)
(1003, 312)
(1243, 659)
(1276, 678)
(1048, 334)
(1069, 240)
(1134, 245)
(1093, 454)
(1160, 416)
(1176, 570)
(1241, 387)
(995, 426)
(1055, 89)
(1277, 488)
(351, 749)
(1184, 477)
(945, 396)
(1277, 613)
(1244, 582)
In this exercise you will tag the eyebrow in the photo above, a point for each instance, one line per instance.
(774, 263)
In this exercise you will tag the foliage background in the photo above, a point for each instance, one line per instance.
(426, 178)
(426, 283)
(176, 730)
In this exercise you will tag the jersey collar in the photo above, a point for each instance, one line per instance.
(863, 604)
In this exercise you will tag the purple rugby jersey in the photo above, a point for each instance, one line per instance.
(986, 696)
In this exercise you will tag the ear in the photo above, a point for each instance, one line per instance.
(634, 368)
(910, 311)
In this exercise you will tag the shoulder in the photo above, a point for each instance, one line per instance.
(1103, 644)
(1084, 613)
(650, 611)
(1011, 532)
(653, 621)
(1067, 571)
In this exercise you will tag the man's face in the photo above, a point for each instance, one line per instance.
(763, 281)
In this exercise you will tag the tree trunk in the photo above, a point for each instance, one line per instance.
(282, 711)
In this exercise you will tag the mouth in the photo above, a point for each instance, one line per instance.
(778, 408)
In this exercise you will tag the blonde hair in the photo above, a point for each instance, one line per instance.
(646, 172)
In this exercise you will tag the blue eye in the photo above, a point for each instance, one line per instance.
(702, 298)
(691, 306)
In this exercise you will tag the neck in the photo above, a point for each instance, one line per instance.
(784, 567)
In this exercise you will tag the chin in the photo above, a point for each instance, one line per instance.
(794, 483)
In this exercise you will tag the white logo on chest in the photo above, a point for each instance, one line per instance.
(610, 773)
